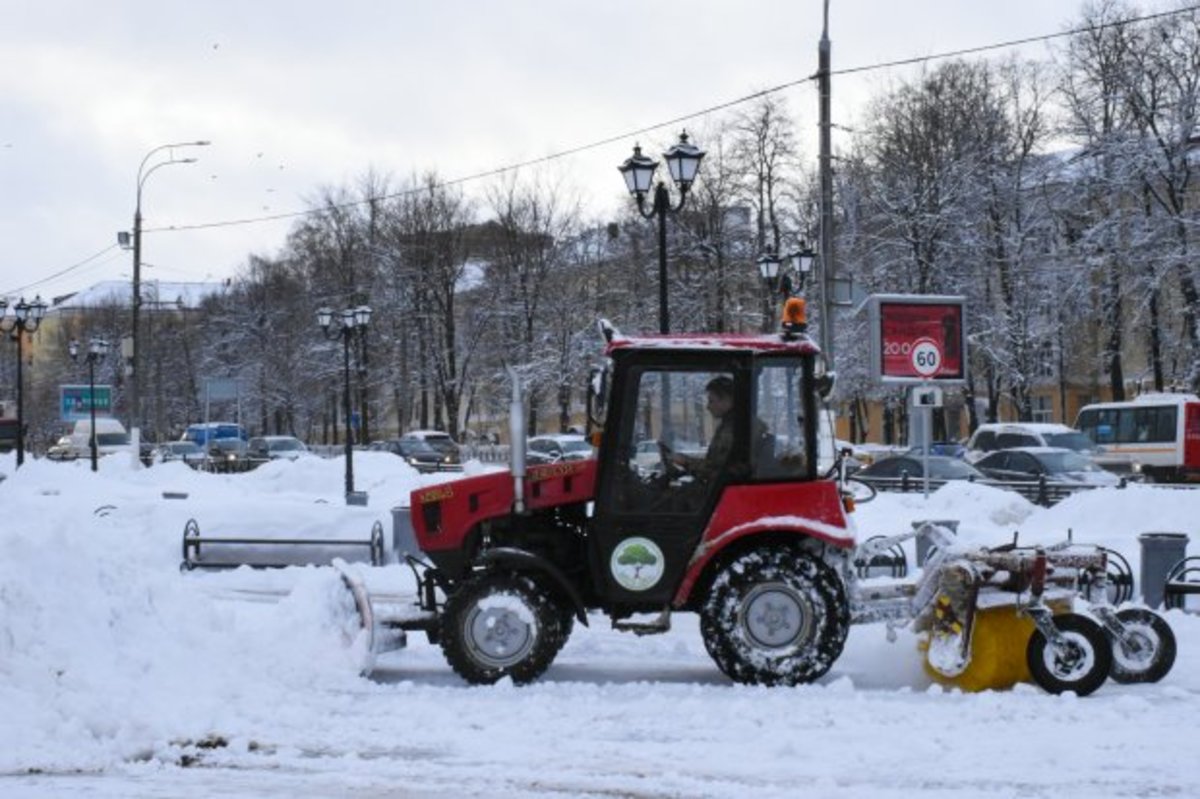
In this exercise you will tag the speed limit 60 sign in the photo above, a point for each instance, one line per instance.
(918, 338)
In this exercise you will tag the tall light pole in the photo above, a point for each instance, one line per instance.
(353, 323)
(828, 267)
(683, 160)
(143, 174)
(24, 319)
(97, 349)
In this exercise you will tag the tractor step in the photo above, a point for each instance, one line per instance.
(660, 624)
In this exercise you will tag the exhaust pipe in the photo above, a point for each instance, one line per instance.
(516, 433)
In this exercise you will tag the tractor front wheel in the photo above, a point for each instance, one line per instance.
(1080, 663)
(775, 616)
(500, 625)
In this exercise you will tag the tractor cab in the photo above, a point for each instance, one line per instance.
(695, 427)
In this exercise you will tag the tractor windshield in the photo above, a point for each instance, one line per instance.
(779, 403)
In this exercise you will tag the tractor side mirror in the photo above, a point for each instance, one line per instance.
(825, 384)
(597, 398)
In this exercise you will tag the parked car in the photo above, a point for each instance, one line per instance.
(941, 467)
(951, 449)
(61, 450)
(9, 433)
(111, 436)
(273, 448)
(1055, 464)
(205, 432)
(229, 455)
(996, 436)
(555, 448)
(421, 455)
(439, 440)
(189, 452)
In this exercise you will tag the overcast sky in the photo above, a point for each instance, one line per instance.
(300, 95)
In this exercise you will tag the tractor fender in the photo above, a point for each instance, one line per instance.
(798, 527)
(523, 560)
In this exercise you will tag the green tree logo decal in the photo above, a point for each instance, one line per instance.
(637, 563)
(637, 556)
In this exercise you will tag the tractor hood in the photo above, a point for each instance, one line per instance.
(443, 514)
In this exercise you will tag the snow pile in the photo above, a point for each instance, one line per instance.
(116, 665)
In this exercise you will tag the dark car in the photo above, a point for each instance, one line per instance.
(1054, 464)
(941, 467)
(229, 455)
(440, 441)
(951, 449)
(421, 455)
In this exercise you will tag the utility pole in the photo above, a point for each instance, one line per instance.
(828, 269)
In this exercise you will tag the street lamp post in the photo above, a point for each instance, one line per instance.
(97, 349)
(136, 300)
(354, 322)
(24, 319)
(800, 262)
(683, 160)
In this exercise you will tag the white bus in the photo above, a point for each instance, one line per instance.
(1155, 434)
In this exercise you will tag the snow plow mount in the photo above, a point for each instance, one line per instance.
(1064, 650)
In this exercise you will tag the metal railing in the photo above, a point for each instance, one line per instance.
(1040, 492)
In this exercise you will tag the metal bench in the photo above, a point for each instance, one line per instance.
(1183, 580)
(229, 552)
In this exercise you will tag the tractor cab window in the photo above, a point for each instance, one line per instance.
(779, 448)
(685, 436)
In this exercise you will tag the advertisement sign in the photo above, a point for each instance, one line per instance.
(918, 338)
(75, 402)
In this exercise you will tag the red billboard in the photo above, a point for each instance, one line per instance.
(920, 338)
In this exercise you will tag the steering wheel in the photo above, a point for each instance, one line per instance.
(671, 469)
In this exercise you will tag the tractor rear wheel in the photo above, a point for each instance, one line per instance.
(500, 625)
(775, 616)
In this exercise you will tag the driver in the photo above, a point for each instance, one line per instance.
(720, 404)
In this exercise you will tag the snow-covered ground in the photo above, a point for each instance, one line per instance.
(120, 676)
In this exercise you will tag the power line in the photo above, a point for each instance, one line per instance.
(1011, 43)
(56, 275)
(666, 123)
(684, 118)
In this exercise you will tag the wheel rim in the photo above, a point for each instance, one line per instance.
(496, 635)
(776, 616)
(1140, 651)
(1071, 661)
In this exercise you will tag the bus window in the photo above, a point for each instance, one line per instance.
(1168, 423)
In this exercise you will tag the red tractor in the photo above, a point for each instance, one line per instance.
(704, 496)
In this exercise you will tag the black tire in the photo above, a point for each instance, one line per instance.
(775, 616)
(1083, 663)
(1154, 649)
(500, 625)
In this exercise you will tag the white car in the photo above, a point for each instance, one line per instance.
(555, 448)
(276, 448)
(1008, 435)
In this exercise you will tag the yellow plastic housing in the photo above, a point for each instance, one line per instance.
(997, 651)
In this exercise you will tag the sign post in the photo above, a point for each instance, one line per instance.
(919, 340)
